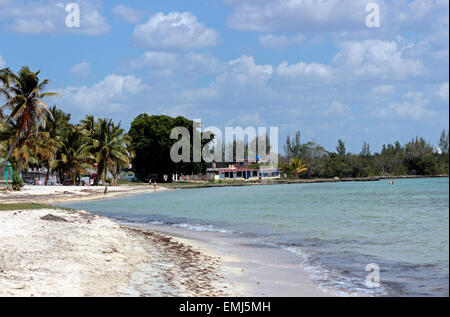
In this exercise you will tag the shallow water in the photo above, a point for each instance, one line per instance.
(335, 229)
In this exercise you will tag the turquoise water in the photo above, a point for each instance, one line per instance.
(336, 229)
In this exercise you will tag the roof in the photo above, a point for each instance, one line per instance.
(232, 170)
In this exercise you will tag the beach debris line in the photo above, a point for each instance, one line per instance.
(51, 217)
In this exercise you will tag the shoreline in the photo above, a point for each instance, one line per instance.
(57, 194)
(251, 269)
(240, 265)
(75, 253)
(227, 267)
(187, 185)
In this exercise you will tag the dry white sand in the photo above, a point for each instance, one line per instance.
(52, 194)
(90, 255)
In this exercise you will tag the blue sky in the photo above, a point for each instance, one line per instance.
(312, 66)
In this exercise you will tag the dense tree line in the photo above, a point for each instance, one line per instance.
(33, 135)
(417, 157)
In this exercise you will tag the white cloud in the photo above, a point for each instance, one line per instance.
(180, 64)
(304, 72)
(81, 70)
(174, 31)
(297, 15)
(280, 41)
(413, 107)
(375, 58)
(247, 120)
(48, 17)
(245, 72)
(333, 15)
(2, 61)
(383, 90)
(443, 91)
(128, 14)
(337, 108)
(111, 94)
(154, 59)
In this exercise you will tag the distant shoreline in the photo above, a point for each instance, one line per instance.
(57, 194)
(297, 181)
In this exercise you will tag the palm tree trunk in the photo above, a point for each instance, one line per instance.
(60, 174)
(48, 173)
(100, 172)
(10, 152)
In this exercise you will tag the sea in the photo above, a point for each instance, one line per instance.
(341, 233)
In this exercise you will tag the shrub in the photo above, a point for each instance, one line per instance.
(17, 181)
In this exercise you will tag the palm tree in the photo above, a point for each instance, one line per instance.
(49, 143)
(25, 152)
(25, 155)
(74, 156)
(45, 148)
(24, 99)
(295, 167)
(5, 82)
(109, 145)
(122, 154)
(298, 167)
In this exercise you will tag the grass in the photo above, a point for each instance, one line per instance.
(29, 206)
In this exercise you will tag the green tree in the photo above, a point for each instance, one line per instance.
(152, 144)
(25, 93)
(109, 144)
(419, 158)
(365, 151)
(57, 123)
(443, 142)
(293, 146)
(340, 149)
(74, 156)
(295, 167)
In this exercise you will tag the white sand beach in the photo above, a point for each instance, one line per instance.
(88, 255)
(52, 194)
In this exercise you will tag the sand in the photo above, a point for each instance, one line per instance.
(250, 269)
(88, 255)
(54, 194)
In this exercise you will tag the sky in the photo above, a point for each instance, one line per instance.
(313, 66)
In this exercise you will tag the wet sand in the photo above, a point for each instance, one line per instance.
(252, 270)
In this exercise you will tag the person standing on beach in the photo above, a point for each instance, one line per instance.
(154, 186)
